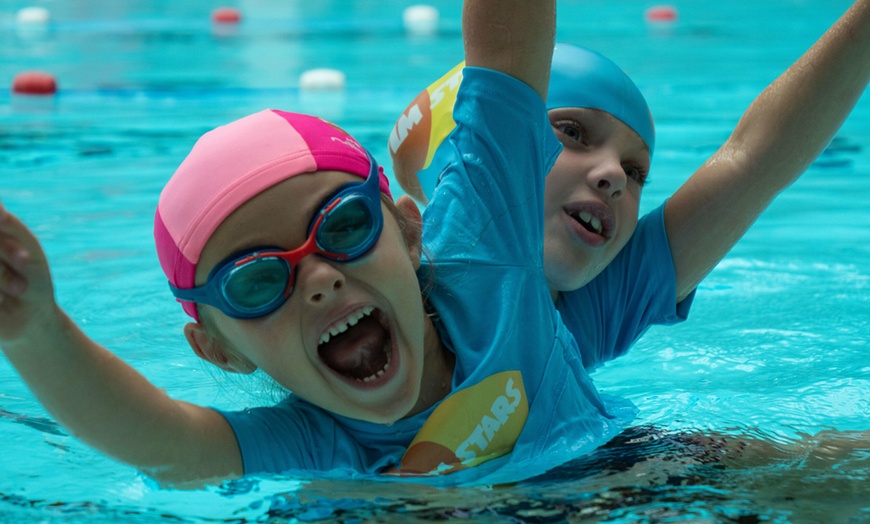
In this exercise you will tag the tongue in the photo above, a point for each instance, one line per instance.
(359, 351)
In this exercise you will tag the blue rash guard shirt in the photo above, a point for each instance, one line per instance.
(521, 400)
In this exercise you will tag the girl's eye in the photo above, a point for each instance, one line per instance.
(347, 227)
(635, 173)
(571, 130)
(256, 283)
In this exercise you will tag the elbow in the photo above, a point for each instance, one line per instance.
(176, 479)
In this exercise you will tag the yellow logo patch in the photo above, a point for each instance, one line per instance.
(470, 427)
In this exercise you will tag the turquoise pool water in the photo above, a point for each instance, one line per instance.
(776, 346)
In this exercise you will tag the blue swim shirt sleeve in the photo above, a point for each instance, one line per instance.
(273, 439)
(296, 437)
(492, 145)
(635, 291)
(484, 226)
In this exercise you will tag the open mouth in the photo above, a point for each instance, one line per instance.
(358, 347)
(588, 221)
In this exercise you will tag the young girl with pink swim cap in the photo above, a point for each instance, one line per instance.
(346, 331)
(382, 381)
(612, 276)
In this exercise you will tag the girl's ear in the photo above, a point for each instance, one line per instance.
(211, 349)
(412, 227)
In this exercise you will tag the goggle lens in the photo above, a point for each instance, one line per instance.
(257, 284)
(348, 228)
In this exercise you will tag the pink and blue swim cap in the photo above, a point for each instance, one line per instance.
(233, 163)
(579, 77)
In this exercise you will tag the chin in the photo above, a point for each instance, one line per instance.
(567, 276)
(388, 417)
(396, 408)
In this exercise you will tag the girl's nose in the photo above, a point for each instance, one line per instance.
(318, 280)
(609, 177)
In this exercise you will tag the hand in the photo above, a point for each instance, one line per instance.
(26, 290)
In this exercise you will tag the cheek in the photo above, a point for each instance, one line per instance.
(567, 179)
(628, 219)
(250, 343)
(630, 205)
(264, 341)
(558, 190)
(391, 249)
(560, 178)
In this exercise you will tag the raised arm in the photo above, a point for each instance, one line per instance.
(782, 132)
(515, 37)
(99, 398)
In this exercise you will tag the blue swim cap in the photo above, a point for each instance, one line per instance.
(581, 77)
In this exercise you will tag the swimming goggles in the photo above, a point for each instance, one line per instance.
(257, 282)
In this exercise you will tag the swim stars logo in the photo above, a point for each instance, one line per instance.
(470, 427)
(425, 123)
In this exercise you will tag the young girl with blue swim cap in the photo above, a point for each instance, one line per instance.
(381, 382)
(611, 275)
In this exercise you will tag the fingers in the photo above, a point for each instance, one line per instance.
(27, 302)
(13, 256)
(12, 283)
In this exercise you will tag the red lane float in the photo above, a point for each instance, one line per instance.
(661, 14)
(34, 83)
(226, 15)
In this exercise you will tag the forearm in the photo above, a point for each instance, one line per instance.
(106, 403)
(783, 130)
(794, 119)
(97, 396)
(515, 37)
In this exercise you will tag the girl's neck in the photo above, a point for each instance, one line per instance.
(438, 365)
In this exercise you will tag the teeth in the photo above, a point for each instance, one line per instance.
(596, 224)
(343, 325)
(587, 217)
(375, 375)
